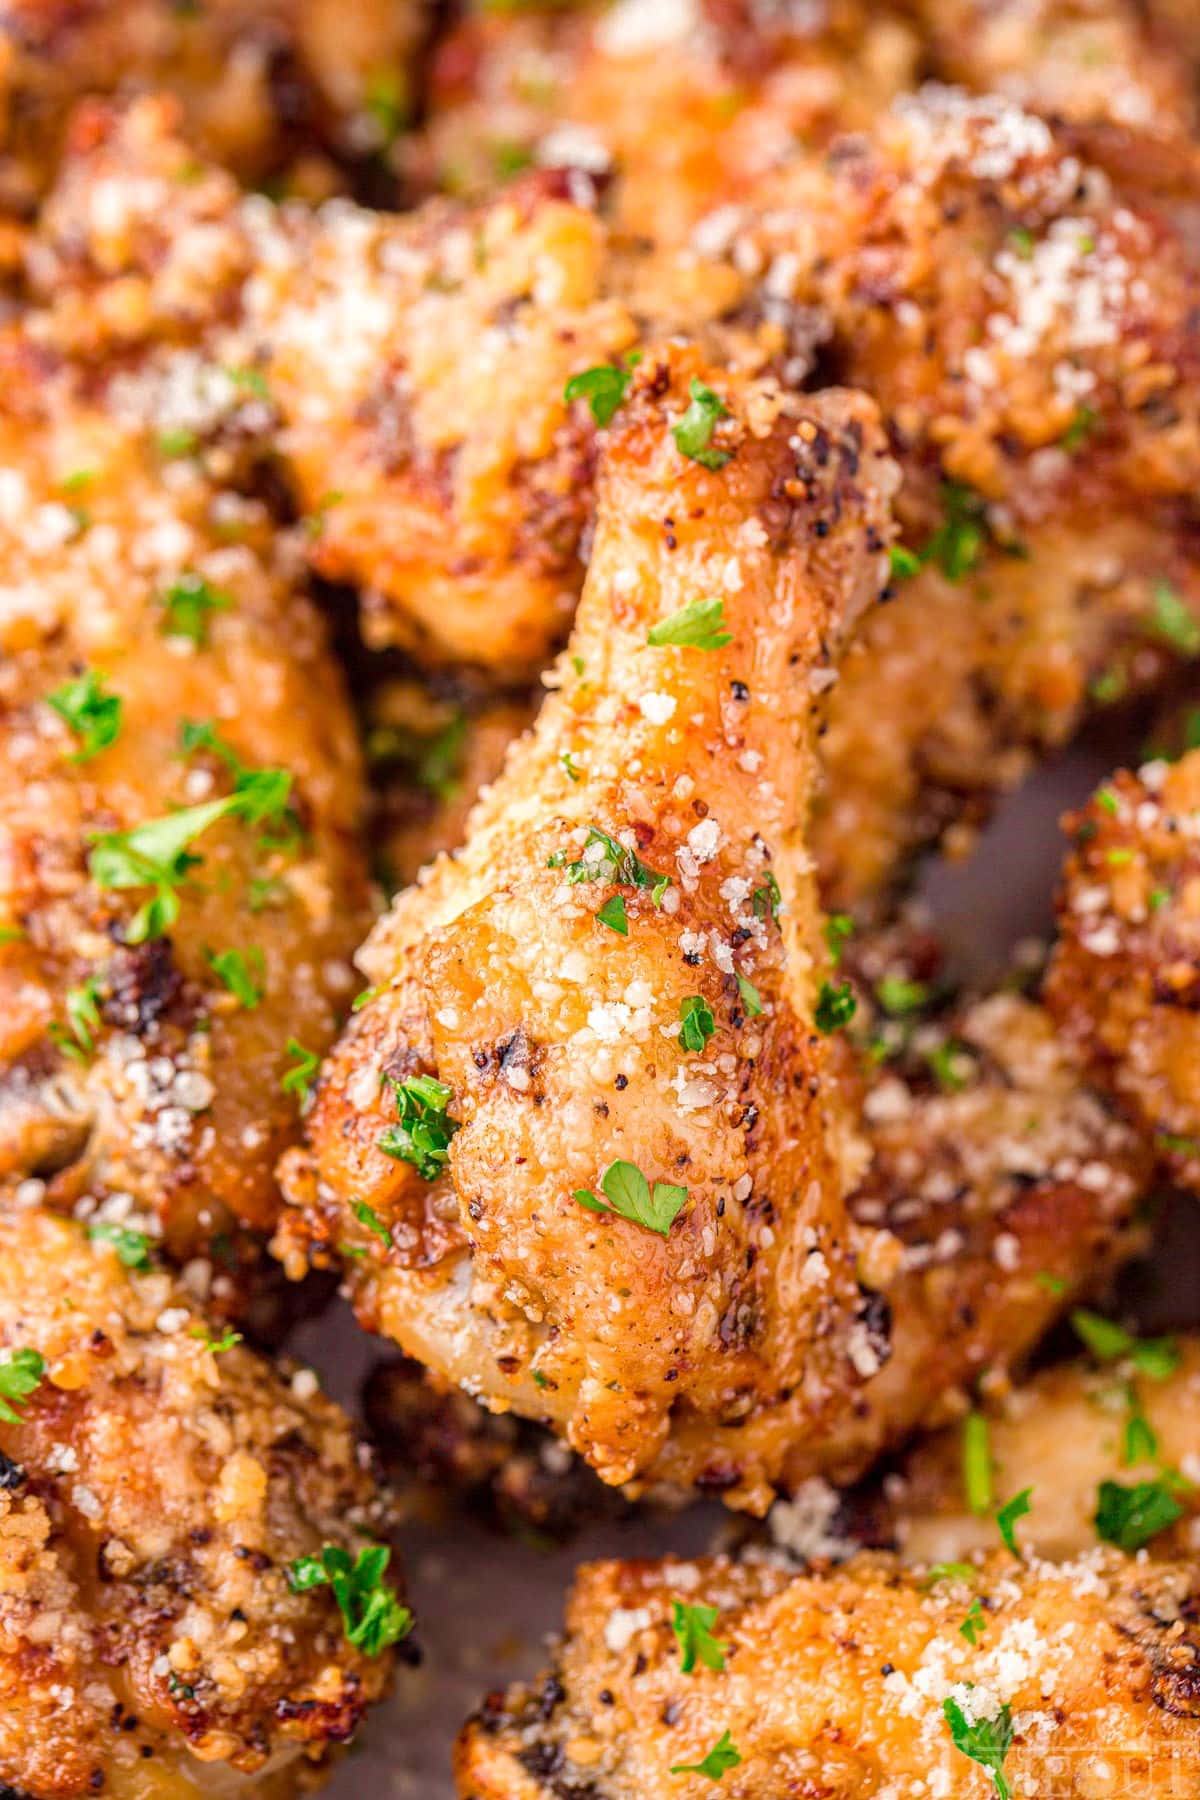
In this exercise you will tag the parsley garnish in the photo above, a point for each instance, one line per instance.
(422, 1136)
(723, 1756)
(904, 563)
(630, 1196)
(176, 441)
(188, 603)
(299, 1079)
(1130, 1516)
(1173, 622)
(1157, 1358)
(603, 387)
(253, 380)
(958, 543)
(987, 1741)
(696, 1023)
(838, 928)
(76, 1039)
(372, 1616)
(974, 1625)
(567, 759)
(767, 900)
(366, 1215)
(692, 1626)
(1139, 1440)
(233, 969)
(1078, 430)
(949, 1571)
(132, 1247)
(614, 915)
(604, 859)
(750, 997)
(700, 625)
(977, 1463)
(899, 996)
(216, 1346)
(21, 1372)
(836, 1006)
(156, 855)
(93, 715)
(693, 433)
(1009, 1513)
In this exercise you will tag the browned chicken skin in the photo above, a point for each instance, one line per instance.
(157, 1483)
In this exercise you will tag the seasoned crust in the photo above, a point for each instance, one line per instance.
(155, 1493)
(834, 1683)
(497, 978)
(1124, 983)
(165, 1088)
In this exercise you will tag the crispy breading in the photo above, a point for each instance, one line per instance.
(556, 1031)
(156, 1487)
(1124, 982)
(262, 82)
(835, 1684)
(141, 1063)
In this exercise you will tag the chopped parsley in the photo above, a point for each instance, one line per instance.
(766, 901)
(899, 996)
(215, 1346)
(157, 854)
(433, 760)
(696, 1023)
(298, 1080)
(1172, 621)
(700, 625)
(951, 1065)
(692, 1626)
(1139, 1440)
(1130, 1516)
(252, 380)
(604, 859)
(366, 1215)
(950, 1571)
(974, 1625)
(76, 1038)
(1156, 1358)
(838, 928)
(603, 387)
(977, 1463)
(629, 1195)
(93, 715)
(1078, 430)
(1106, 799)
(424, 1128)
(1009, 1513)
(750, 997)
(905, 563)
(723, 1756)
(986, 1741)
(567, 759)
(693, 432)
(384, 100)
(132, 1247)
(614, 915)
(959, 541)
(21, 1373)
(243, 975)
(176, 441)
(372, 1615)
(836, 1006)
(188, 605)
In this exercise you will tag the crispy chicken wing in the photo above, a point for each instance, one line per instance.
(856, 1682)
(261, 81)
(158, 1482)
(181, 884)
(626, 875)
(1125, 979)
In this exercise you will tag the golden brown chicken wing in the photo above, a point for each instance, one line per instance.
(1125, 979)
(742, 1679)
(262, 82)
(181, 884)
(601, 994)
(171, 1511)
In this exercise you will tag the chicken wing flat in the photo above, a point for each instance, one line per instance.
(1125, 979)
(590, 999)
(181, 884)
(861, 1681)
(171, 1508)
(260, 83)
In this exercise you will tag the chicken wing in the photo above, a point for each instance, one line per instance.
(171, 1510)
(744, 1679)
(181, 881)
(531, 1019)
(1125, 979)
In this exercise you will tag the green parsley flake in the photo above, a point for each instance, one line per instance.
(692, 1626)
(77, 1039)
(215, 1346)
(299, 1079)
(766, 901)
(1173, 622)
(629, 1196)
(614, 915)
(567, 759)
(839, 927)
(93, 715)
(1139, 1440)
(422, 1135)
(899, 996)
(700, 625)
(1009, 1513)
(949, 1571)
(1130, 1516)
(188, 604)
(21, 1372)
(693, 432)
(696, 1023)
(958, 544)
(604, 859)
(750, 997)
(723, 1756)
(905, 563)
(974, 1625)
(366, 1215)
(244, 976)
(977, 1463)
(986, 1741)
(1156, 1358)
(372, 1615)
(836, 1006)
(132, 1247)
(176, 441)
(603, 387)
